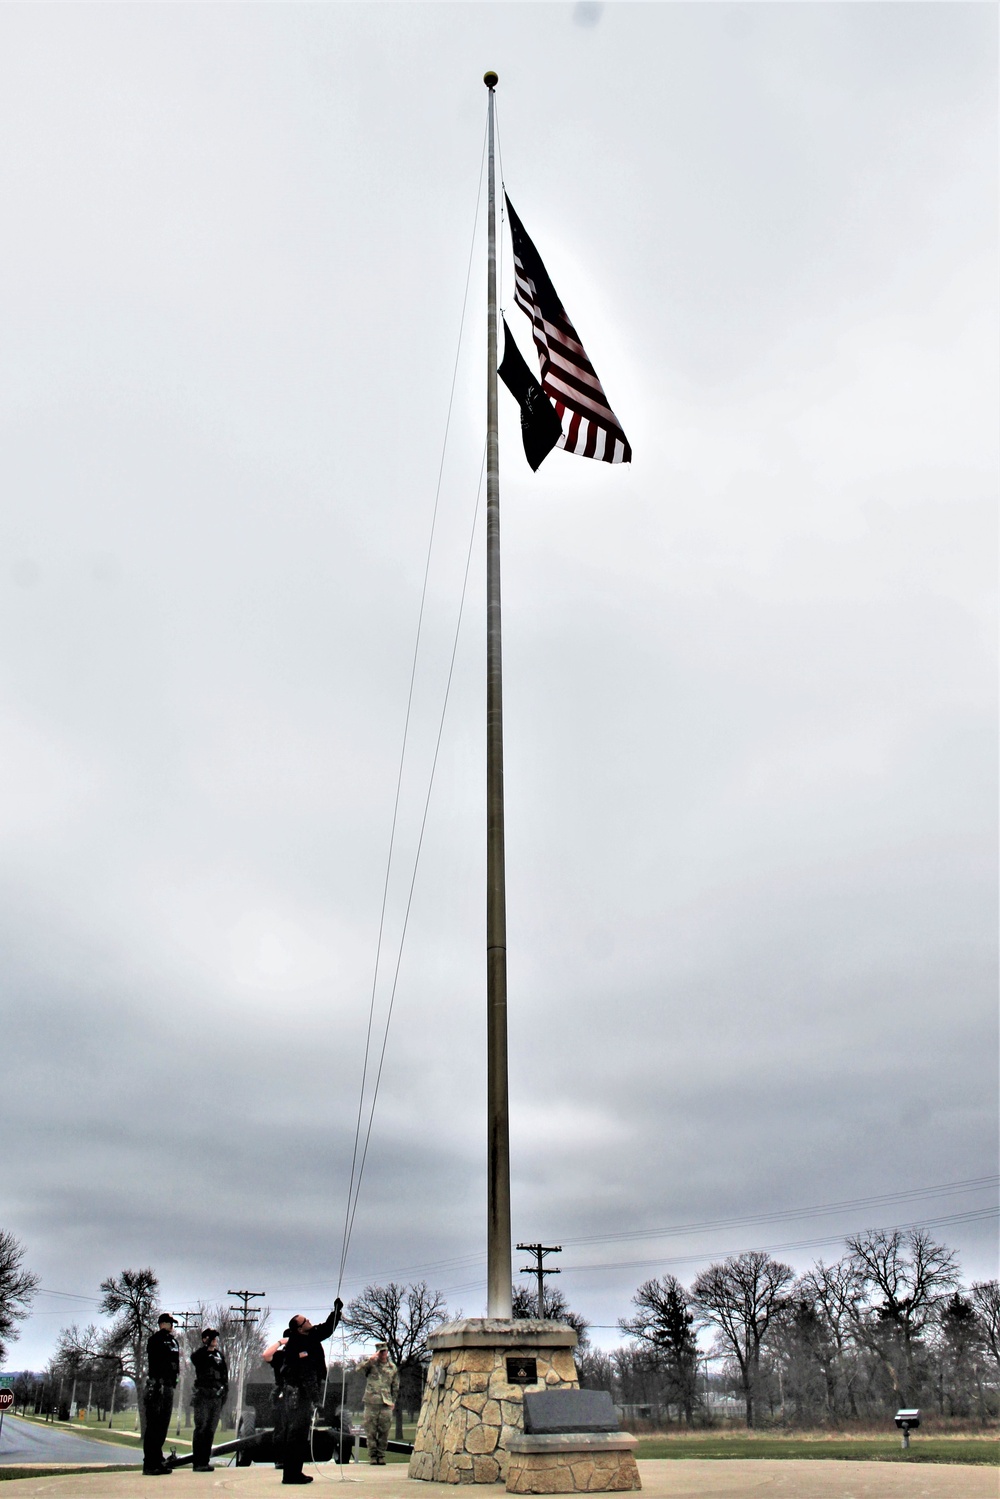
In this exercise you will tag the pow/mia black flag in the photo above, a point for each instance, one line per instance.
(541, 428)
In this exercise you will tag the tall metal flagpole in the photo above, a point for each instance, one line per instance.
(498, 1257)
(473, 1451)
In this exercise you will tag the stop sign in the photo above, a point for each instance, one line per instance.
(6, 1399)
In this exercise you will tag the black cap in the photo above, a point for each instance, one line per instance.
(164, 1317)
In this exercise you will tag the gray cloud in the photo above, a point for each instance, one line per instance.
(750, 684)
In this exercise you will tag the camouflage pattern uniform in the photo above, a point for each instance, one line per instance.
(381, 1392)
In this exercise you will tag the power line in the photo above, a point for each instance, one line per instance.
(780, 1215)
(977, 1216)
(972, 1184)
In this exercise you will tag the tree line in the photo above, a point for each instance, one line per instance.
(104, 1368)
(887, 1325)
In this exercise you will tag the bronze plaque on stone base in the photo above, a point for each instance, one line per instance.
(472, 1408)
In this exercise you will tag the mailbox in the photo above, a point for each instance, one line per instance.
(907, 1421)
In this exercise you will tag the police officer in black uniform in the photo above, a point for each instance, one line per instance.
(303, 1370)
(163, 1362)
(211, 1386)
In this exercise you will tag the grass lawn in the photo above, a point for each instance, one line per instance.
(865, 1447)
(885, 1449)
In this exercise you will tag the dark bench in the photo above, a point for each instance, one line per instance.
(571, 1444)
(563, 1412)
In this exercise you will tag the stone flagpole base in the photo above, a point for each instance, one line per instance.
(472, 1405)
(577, 1463)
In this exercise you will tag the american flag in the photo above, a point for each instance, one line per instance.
(590, 427)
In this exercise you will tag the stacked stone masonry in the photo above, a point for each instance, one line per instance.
(573, 1463)
(470, 1412)
(572, 1473)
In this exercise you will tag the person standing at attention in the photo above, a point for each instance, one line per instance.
(381, 1393)
(163, 1362)
(211, 1386)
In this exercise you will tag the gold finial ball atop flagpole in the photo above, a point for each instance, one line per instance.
(490, 79)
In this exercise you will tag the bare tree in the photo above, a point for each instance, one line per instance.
(665, 1324)
(638, 1376)
(802, 1355)
(986, 1300)
(595, 1369)
(835, 1292)
(959, 1356)
(402, 1317)
(524, 1303)
(17, 1289)
(26, 1390)
(75, 1352)
(739, 1298)
(904, 1278)
(131, 1299)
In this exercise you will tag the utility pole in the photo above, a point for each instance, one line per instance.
(247, 1319)
(185, 1319)
(538, 1269)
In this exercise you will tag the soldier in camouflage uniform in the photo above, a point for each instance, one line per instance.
(381, 1391)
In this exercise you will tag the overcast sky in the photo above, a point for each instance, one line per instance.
(749, 681)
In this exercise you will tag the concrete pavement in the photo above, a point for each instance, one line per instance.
(674, 1478)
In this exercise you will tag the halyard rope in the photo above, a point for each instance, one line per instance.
(358, 1164)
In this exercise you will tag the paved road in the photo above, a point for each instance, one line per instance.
(24, 1442)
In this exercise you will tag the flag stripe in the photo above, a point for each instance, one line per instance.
(573, 373)
(590, 427)
(567, 388)
(572, 436)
